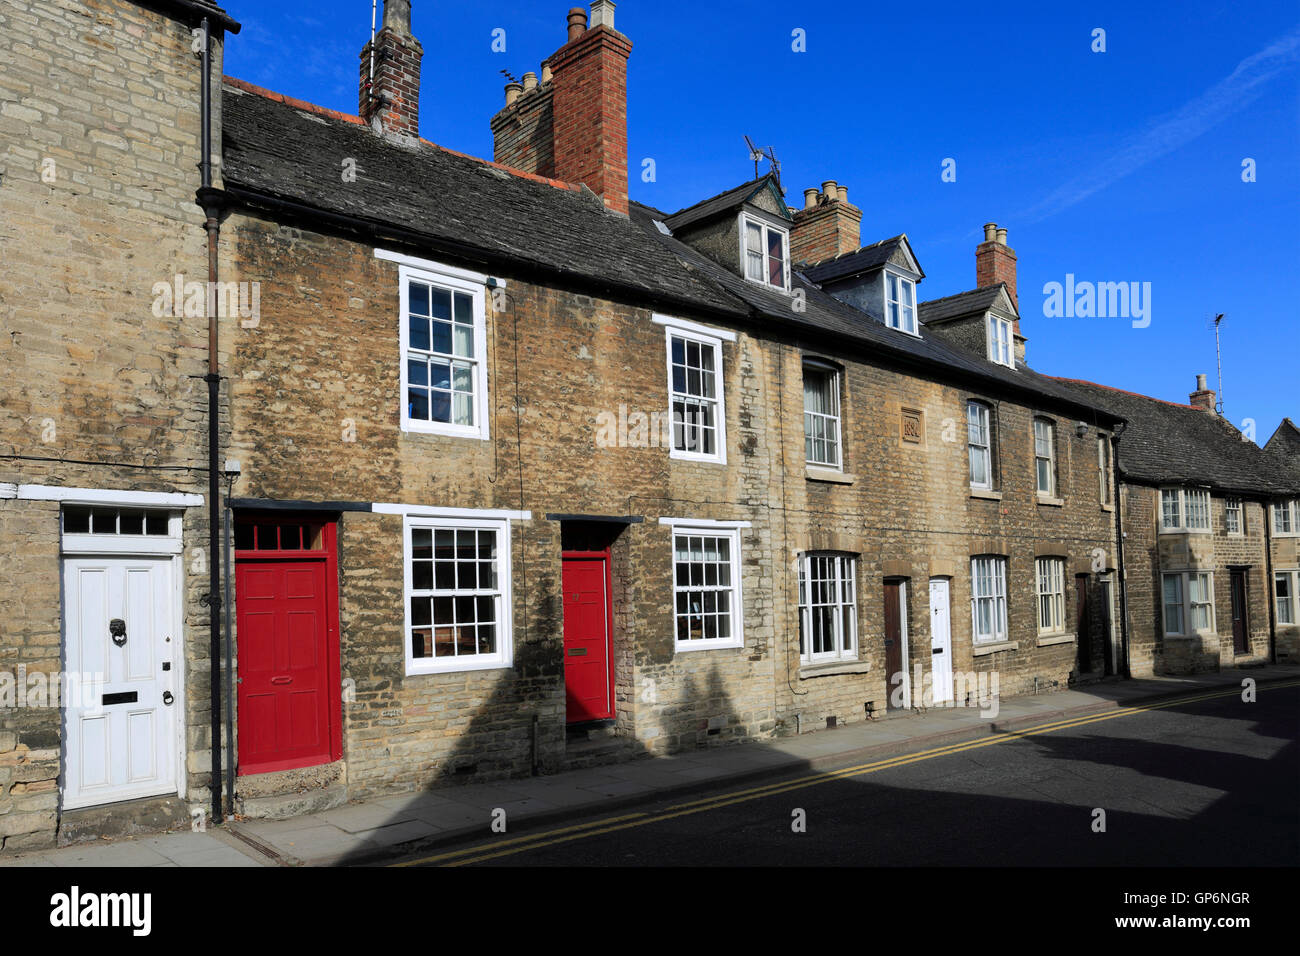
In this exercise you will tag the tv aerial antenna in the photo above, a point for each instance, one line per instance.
(760, 153)
(1218, 357)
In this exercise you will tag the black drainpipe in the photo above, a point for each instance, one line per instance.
(1270, 586)
(212, 225)
(1119, 542)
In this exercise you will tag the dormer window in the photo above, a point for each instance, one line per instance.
(766, 253)
(1001, 346)
(900, 303)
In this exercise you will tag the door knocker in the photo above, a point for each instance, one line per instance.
(117, 629)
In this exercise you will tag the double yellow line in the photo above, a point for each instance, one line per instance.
(582, 831)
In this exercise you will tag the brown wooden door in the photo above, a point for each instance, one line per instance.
(1084, 617)
(894, 674)
(1240, 639)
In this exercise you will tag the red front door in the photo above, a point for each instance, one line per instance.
(287, 632)
(588, 664)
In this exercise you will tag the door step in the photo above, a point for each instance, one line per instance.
(282, 806)
(128, 818)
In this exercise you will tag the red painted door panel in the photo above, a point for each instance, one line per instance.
(587, 673)
(285, 692)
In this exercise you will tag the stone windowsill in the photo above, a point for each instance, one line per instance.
(815, 473)
(1107, 507)
(979, 650)
(1047, 640)
(1051, 502)
(986, 494)
(1203, 636)
(832, 668)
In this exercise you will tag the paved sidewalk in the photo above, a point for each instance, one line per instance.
(388, 827)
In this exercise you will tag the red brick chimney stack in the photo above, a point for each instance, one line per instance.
(995, 262)
(589, 105)
(1204, 398)
(391, 105)
(826, 226)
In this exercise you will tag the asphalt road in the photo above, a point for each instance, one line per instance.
(1212, 782)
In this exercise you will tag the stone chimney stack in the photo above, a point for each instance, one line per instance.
(391, 103)
(995, 262)
(1204, 398)
(826, 227)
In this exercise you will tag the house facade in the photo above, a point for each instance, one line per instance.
(517, 474)
(103, 413)
(1284, 539)
(1199, 504)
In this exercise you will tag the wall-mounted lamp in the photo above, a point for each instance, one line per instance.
(1081, 428)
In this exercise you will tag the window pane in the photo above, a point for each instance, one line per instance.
(418, 299)
(76, 520)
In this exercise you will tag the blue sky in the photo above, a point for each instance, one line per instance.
(1117, 166)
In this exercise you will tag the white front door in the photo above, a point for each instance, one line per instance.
(940, 640)
(119, 620)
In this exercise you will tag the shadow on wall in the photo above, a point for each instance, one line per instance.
(497, 748)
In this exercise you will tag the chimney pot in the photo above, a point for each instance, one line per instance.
(513, 92)
(577, 23)
(530, 82)
(990, 231)
(830, 190)
(602, 13)
(397, 16)
(1002, 236)
(1204, 397)
(844, 193)
(810, 197)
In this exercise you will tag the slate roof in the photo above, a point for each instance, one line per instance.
(275, 148)
(282, 149)
(1285, 445)
(1167, 443)
(825, 312)
(715, 205)
(963, 303)
(865, 259)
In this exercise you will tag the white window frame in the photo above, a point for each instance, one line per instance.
(1001, 341)
(745, 220)
(1291, 511)
(891, 302)
(454, 280)
(1181, 496)
(1105, 472)
(1233, 506)
(833, 376)
(1050, 491)
(504, 655)
(708, 338)
(844, 578)
(1050, 571)
(986, 449)
(1187, 607)
(998, 598)
(708, 529)
(1292, 579)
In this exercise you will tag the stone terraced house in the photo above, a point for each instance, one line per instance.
(518, 474)
(1198, 502)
